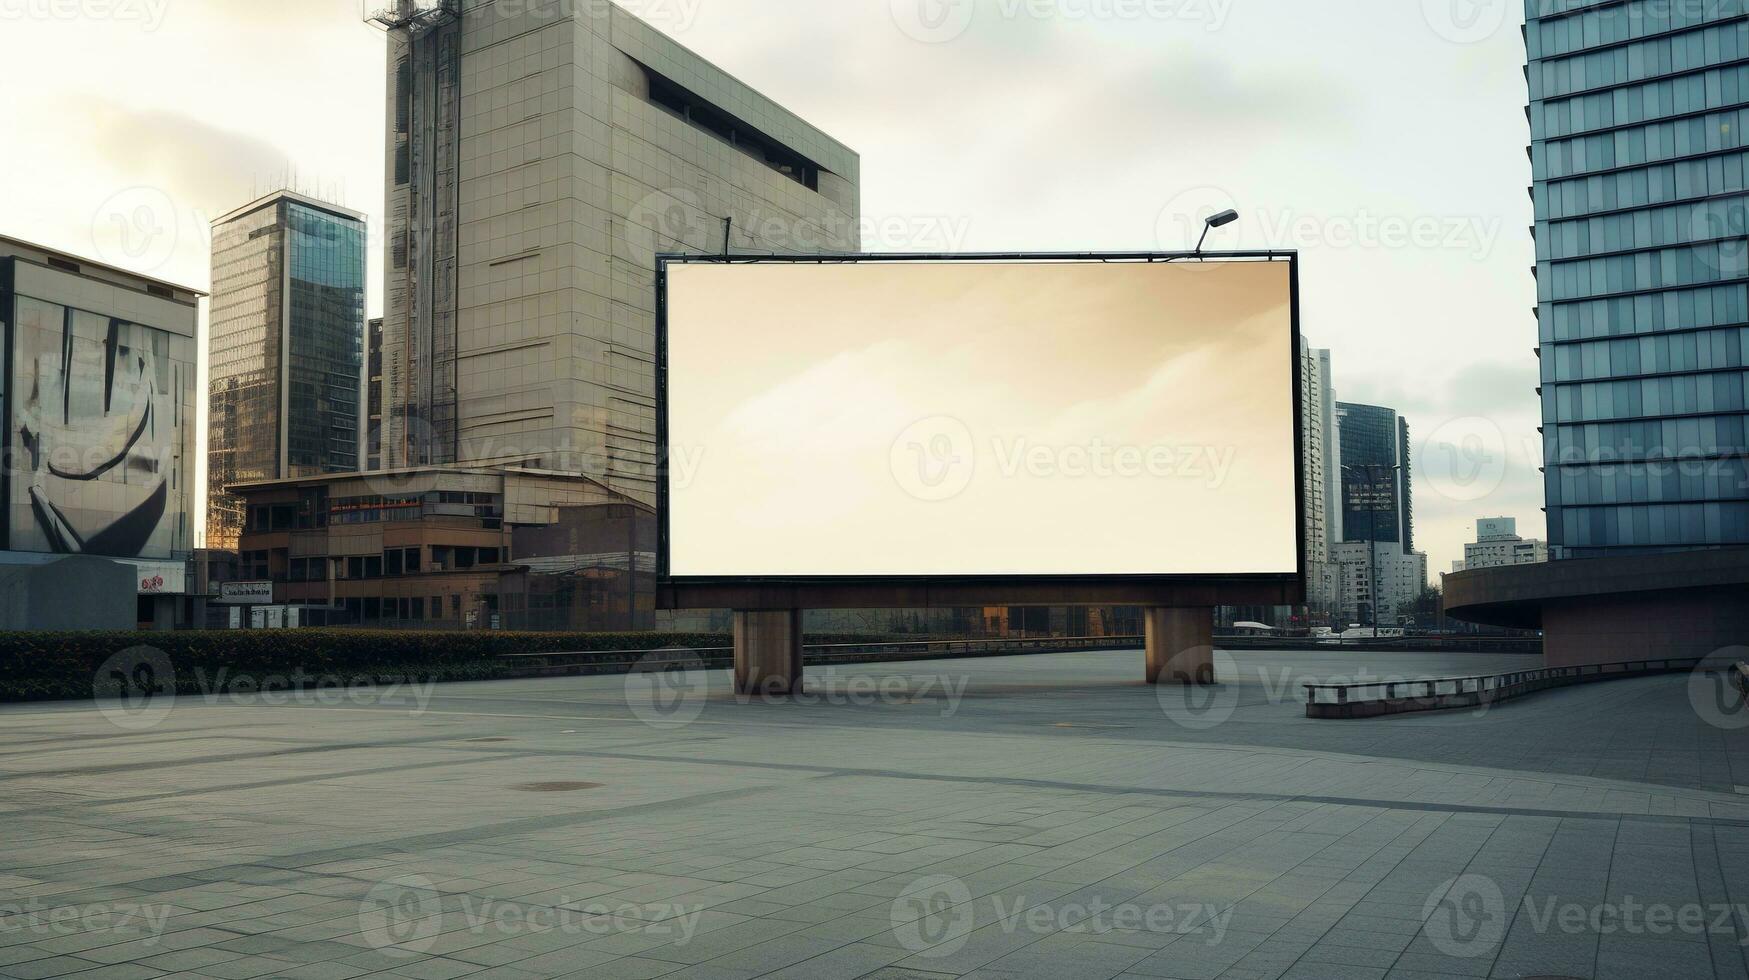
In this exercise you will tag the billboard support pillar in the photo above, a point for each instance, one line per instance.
(1180, 644)
(768, 651)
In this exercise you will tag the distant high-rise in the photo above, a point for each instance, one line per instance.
(539, 155)
(1639, 139)
(371, 445)
(1376, 499)
(1321, 451)
(285, 350)
(1321, 458)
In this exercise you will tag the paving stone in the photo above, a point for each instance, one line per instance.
(894, 842)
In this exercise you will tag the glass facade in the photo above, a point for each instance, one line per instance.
(286, 350)
(327, 341)
(1376, 498)
(1637, 115)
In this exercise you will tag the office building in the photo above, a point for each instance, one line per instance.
(1376, 486)
(1497, 543)
(449, 548)
(1321, 458)
(1638, 148)
(99, 415)
(286, 348)
(1379, 574)
(1639, 137)
(539, 156)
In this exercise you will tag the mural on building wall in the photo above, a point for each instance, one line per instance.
(96, 412)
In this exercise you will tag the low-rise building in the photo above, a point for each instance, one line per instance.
(1388, 581)
(1497, 544)
(448, 548)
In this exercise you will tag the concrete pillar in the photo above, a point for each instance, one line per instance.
(768, 651)
(164, 612)
(1181, 645)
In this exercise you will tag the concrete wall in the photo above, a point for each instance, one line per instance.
(570, 180)
(1613, 610)
(1618, 628)
(77, 593)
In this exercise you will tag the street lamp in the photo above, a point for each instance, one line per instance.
(1212, 222)
(1372, 575)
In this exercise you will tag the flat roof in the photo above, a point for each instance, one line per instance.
(412, 471)
(290, 195)
(9, 243)
(1514, 595)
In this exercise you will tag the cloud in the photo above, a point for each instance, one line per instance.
(208, 166)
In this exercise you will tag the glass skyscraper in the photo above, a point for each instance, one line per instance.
(1376, 501)
(286, 349)
(1638, 114)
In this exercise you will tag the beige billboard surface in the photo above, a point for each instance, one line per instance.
(980, 419)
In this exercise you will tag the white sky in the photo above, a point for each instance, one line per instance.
(1385, 138)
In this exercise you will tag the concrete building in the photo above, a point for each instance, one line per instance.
(540, 155)
(452, 547)
(1639, 137)
(1322, 462)
(370, 448)
(1379, 574)
(286, 351)
(99, 408)
(1497, 543)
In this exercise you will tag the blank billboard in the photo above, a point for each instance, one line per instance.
(1053, 419)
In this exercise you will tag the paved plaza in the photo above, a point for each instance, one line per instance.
(1044, 816)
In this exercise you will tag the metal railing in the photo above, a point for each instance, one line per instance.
(1397, 644)
(1372, 698)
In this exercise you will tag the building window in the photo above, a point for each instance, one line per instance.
(707, 117)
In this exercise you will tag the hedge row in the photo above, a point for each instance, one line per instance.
(46, 666)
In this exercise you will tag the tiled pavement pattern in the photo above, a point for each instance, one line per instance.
(1055, 820)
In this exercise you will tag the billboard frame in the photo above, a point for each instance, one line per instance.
(764, 592)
